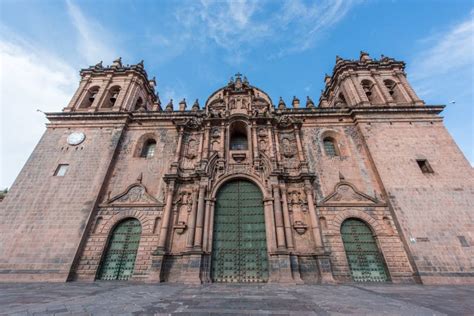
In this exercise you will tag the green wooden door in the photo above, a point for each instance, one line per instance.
(239, 251)
(119, 259)
(365, 260)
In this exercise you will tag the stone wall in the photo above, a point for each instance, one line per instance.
(435, 209)
(43, 217)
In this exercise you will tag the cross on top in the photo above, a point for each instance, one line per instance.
(238, 75)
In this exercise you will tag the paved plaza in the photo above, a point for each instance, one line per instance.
(113, 298)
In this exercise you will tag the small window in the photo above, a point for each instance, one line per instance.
(424, 166)
(238, 136)
(139, 105)
(330, 147)
(61, 170)
(148, 150)
(463, 241)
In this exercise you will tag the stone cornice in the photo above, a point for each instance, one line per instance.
(295, 113)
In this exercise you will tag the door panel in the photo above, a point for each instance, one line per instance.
(365, 260)
(239, 240)
(119, 259)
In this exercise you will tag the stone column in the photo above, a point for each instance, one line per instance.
(225, 140)
(250, 143)
(211, 223)
(207, 218)
(192, 222)
(278, 218)
(270, 224)
(270, 140)
(98, 101)
(165, 223)
(314, 219)
(286, 218)
(277, 145)
(387, 98)
(206, 141)
(407, 88)
(201, 145)
(178, 147)
(255, 143)
(200, 217)
(298, 143)
(358, 88)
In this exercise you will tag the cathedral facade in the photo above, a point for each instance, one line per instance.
(366, 185)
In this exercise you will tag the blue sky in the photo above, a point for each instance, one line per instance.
(193, 47)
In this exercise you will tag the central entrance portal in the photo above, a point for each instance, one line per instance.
(239, 251)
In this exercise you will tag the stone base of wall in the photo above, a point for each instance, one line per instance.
(453, 278)
(25, 276)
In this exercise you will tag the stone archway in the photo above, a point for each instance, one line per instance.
(239, 247)
(119, 258)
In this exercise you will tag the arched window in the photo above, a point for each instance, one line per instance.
(371, 91)
(238, 136)
(393, 90)
(112, 97)
(148, 150)
(138, 105)
(340, 100)
(330, 147)
(89, 98)
(367, 85)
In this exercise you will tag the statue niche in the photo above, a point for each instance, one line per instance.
(298, 209)
(190, 152)
(183, 205)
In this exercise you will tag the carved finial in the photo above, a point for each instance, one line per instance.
(231, 80)
(309, 102)
(99, 65)
(295, 102)
(195, 105)
(246, 80)
(327, 79)
(141, 64)
(341, 177)
(152, 82)
(281, 104)
(338, 59)
(169, 106)
(182, 105)
(117, 62)
(364, 56)
(140, 177)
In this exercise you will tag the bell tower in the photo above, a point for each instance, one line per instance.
(116, 88)
(368, 82)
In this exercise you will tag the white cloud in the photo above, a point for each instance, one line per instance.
(29, 80)
(443, 70)
(239, 26)
(306, 22)
(93, 39)
(447, 51)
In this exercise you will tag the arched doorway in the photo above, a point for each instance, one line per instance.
(364, 257)
(239, 251)
(119, 259)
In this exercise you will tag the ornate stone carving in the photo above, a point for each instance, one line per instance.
(288, 149)
(300, 227)
(346, 193)
(134, 194)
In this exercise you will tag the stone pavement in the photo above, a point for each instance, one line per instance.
(112, 298)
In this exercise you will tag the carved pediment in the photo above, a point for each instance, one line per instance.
(346, 193)
(135, 194)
